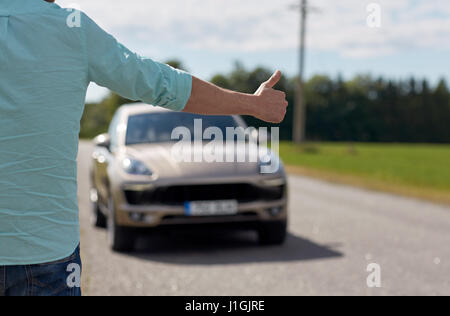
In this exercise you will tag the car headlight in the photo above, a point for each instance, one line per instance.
(135, 167)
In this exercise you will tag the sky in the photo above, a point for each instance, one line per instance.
(209, 36)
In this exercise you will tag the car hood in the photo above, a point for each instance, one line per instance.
(159, 158)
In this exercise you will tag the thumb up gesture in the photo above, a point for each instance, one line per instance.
(271, 103)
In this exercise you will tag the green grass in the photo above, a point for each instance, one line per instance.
(418, 170)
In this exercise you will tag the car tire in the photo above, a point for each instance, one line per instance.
(272, 233)
(98, 219)
(121, 239)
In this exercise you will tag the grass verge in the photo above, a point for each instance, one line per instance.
(421, 170)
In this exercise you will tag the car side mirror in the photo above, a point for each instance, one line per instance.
(102, 140)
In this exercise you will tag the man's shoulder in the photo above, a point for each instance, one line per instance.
(58, 11)
(43, 8)
(29, 7)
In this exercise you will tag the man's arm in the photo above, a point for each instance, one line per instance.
(266, 104)
(112, 65)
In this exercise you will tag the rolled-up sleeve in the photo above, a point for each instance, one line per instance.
(112, 65)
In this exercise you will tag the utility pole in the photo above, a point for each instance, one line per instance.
(298, 132)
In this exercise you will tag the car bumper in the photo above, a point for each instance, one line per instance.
(160, 215)
(259, 199)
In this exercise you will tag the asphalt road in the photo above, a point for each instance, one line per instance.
(335, 233)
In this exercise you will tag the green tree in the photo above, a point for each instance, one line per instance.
(361, 109)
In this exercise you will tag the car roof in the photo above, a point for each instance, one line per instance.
(130, 109)
(140, 108)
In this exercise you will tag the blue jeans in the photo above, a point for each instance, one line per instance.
(59, 278)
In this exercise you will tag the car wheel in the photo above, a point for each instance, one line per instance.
(121, 239)
(98, 219)
(272, 233)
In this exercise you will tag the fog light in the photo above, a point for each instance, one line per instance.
(142, 218)
(93, 196)
(275, 211)
(149, 219)
(137, 217)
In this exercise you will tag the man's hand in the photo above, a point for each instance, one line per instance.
(266, 104)
(272, 103)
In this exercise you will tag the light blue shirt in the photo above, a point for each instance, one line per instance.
(48, 57)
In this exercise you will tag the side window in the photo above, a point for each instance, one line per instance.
(113, 131)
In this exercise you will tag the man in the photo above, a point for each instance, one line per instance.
(46, 65)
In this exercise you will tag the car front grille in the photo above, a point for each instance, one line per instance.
(178, 195)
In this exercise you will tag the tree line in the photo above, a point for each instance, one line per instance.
(364, 108)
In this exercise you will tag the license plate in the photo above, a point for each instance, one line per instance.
(211, 208)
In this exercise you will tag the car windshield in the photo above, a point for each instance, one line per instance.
(157, 127)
